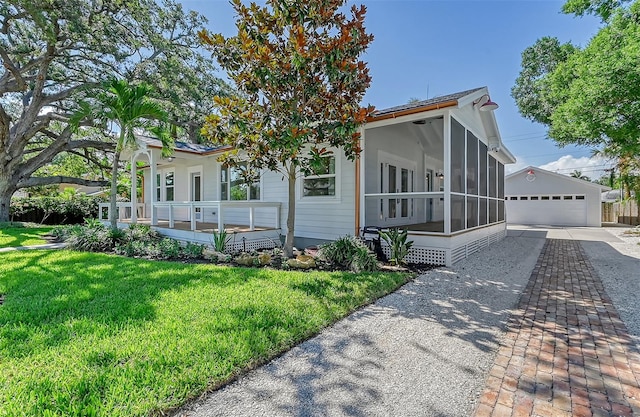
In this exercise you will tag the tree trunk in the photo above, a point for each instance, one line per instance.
(6, 191)
(291, 213)
(113, 210)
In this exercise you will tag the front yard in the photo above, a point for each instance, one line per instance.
(84, 334)
(22, 236)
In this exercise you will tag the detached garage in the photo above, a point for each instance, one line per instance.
(536, 196)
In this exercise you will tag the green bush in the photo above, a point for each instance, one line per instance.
(90, 238)
(61, 209)
(169, 249)
(141, 233)
(398, 244)
(349, 252)
(192, 251)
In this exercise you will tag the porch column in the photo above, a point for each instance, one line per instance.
(447, 172)
(134, 190)
(154, 186)
(192, 208)
(251, 218)
(360, 191)
(220, 222)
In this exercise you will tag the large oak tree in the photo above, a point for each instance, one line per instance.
(297, 66)
(54, 53)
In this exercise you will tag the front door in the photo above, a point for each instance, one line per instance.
(196, 192)
(398, 176)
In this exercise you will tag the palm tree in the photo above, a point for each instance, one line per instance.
(578, 174)
(126, 108)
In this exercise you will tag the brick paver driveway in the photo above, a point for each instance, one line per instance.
(566, 352)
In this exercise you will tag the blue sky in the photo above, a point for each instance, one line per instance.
(428, 48)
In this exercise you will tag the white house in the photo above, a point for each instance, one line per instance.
(536, 196)
(434, 167)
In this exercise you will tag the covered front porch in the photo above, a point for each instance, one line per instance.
(184, 221)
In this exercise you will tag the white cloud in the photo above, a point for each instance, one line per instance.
(592, 167)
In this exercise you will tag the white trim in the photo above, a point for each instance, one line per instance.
(321, 199)
(426, 114)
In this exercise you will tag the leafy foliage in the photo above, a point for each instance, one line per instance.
(297, 68)
(130, 108)
(398, 244)
(349, 252)
(587, 96)
(220, 240)
(76, 207)
(55, 54)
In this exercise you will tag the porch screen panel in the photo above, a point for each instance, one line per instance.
(482, 212)
(472, 164)
(500, 181)
(493, 175)
(500, 210)
(482, 169)
(493, 211)
(457, 157)
(472, 212)
(457, 213)
(404, 188)
(392, 189)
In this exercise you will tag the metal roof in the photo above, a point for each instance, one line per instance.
(425, 103)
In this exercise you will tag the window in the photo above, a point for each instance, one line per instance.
(524, 198)
(535, 197)
(169, 186)
(513, 198)
(234, 187)
(544, 197)
(556, 197)
(158, 188)
(579, 197)
(323, 183)
(568, 197)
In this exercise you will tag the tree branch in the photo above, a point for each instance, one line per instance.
(37, 181)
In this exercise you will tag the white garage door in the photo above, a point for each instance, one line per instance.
(563, 211)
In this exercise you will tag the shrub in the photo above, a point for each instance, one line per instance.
(349, 252)
(398, 244)
(169, 249)
(192, 251)
(62, 209)
(141, 233)
(363, 260)
(220, 240)
(91, 239)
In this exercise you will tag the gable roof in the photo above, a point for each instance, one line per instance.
(440, 102)
(559, 176)
(180, 146)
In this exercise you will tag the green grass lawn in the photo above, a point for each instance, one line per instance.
(23, 236)
(84, 334)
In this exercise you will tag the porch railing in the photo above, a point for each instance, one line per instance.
(193, 206)
(419, 211)
(124, 210)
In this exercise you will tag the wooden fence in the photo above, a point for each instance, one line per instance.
(621, 212)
